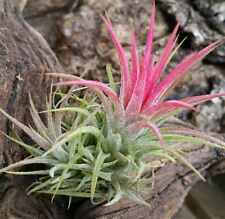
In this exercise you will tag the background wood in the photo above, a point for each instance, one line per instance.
(24, 59)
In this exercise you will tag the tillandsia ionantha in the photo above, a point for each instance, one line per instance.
(105, 146)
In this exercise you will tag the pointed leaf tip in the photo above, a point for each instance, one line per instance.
(125, 90)
(94, 85)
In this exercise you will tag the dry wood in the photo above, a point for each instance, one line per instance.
(24, 58)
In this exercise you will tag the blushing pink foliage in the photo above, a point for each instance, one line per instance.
(143, 87)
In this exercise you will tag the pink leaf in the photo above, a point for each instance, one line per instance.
(161, 65)
(125, 90)
(144, 124)
(181, 69)
(137, 98)
(147, 62)
(164, 58)
(135, 66)
(93, 84)
(135, 103)
(195, 100)
(156, 131)
(150, 36)
(166, 107)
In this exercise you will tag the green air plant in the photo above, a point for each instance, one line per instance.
(106, 146)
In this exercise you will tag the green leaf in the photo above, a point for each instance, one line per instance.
(70, 135)
(69, 109)
(72, 193)
(36, 137)
(37, 172)
(30, 149)
(188, 164)
(136, 198)
(96, 171)
(110, 77)
(35, 187)
(115, 199)
(36, 160)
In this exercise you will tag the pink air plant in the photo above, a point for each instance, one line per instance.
(143, 89)
(105, 148)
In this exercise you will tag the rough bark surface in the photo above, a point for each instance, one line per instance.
(24, 58)
(202, 20)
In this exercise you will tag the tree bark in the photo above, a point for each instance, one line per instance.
(203, 21)
(25, 57)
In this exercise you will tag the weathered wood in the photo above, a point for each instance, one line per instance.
(202, 21)
(24, 58)
(207, 201)
(185, 213)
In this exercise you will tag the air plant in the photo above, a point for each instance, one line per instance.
(108, 146)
